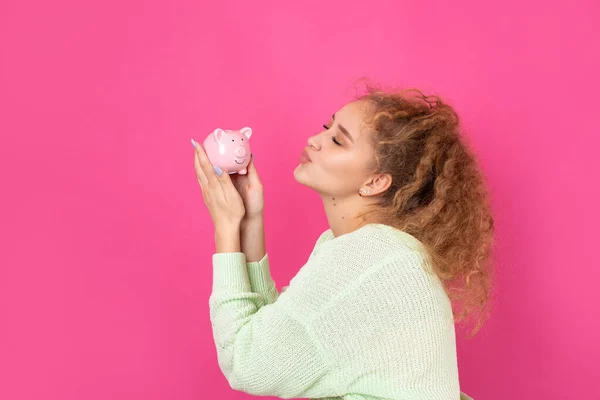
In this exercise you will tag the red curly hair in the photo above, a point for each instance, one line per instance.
(438, 192)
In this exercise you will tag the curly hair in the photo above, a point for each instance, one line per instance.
(438, 193)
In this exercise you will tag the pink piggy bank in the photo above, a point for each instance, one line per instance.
(229, 149)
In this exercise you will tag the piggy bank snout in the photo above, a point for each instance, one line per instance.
(240, 152)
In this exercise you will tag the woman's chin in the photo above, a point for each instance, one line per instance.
(299, 174)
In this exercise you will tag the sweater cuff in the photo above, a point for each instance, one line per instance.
(260, 275)
(229, 273)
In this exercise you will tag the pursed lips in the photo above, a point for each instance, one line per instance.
(306, 156)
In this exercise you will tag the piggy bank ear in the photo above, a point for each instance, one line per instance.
(246, 132)
(218, 134)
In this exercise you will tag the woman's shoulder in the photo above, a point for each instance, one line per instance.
(340, 263)
(323, 237)
(405, 239)
(354, 253)
(373, 238)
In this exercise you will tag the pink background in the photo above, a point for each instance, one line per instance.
(105, 241)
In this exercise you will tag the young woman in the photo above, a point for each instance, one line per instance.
(407, 254)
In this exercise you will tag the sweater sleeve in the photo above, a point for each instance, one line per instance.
(262, 350)
(261, 281)
(259, 274)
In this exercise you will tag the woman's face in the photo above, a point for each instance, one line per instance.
(340, 154)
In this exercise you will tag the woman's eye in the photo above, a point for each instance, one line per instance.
(333, 137)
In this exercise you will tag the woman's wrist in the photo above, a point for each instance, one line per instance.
(251, 219)
(227, 238)
(252, 238)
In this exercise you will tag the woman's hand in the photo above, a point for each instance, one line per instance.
(251, 191)
(220, 195)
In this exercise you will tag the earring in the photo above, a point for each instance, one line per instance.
(361, 192)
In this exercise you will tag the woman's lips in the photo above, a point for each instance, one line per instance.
(304, 157)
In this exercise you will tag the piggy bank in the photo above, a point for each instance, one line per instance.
(229, 149)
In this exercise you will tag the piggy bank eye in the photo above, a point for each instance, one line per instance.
(233, 140)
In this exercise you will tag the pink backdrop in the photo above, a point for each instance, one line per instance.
(106, 244)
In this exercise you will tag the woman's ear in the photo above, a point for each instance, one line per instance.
(381, 183)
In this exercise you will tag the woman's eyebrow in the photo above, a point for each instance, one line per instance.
(344, 131)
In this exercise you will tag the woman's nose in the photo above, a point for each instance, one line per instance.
(312, 142)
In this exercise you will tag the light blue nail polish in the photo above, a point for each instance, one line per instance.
(193, 143)
(218, 170)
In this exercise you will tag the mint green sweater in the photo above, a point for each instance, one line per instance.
(362, 319)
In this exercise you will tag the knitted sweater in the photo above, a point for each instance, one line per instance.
(362, 319)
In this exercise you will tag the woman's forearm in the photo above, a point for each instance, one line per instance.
(252, 238)
(227, 238)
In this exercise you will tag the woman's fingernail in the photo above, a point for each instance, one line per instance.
(218, 171)
(193, 143)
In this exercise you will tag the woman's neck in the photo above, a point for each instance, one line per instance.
(342, 213)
